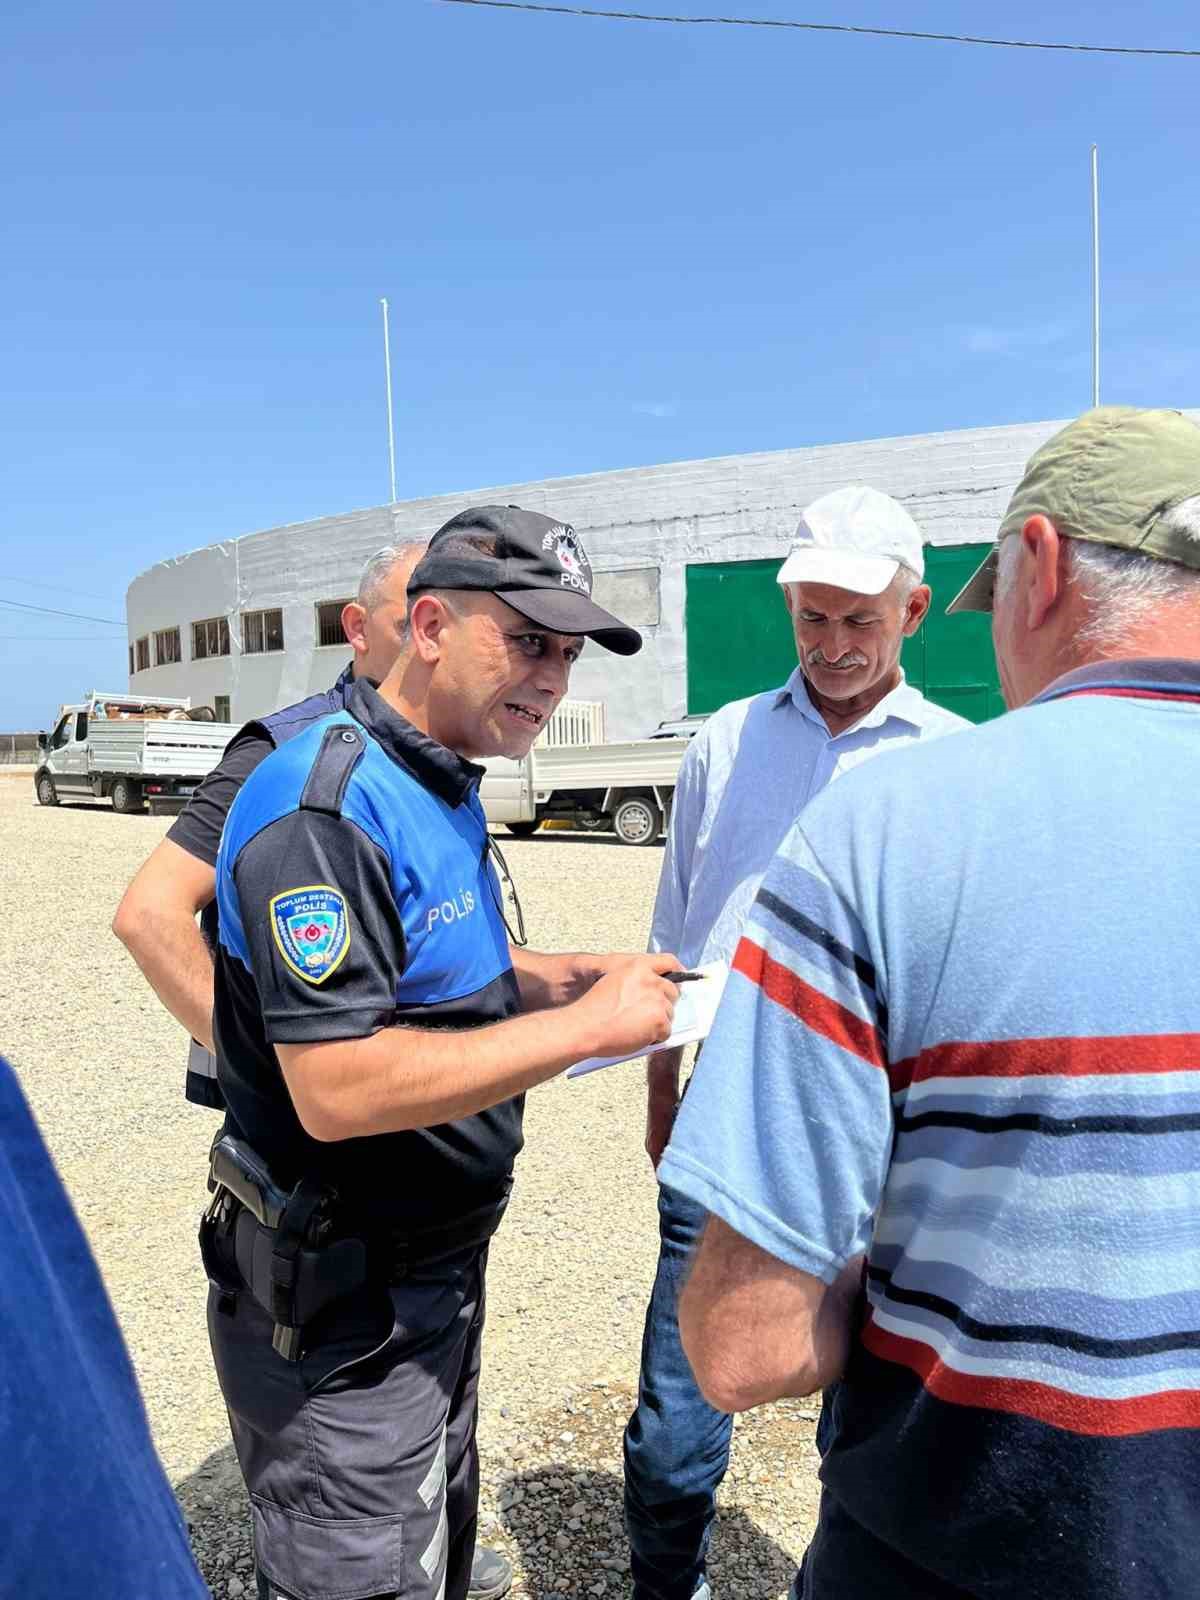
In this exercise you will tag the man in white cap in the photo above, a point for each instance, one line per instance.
(853, 588)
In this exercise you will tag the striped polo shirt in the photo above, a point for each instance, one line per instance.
(962, 1037)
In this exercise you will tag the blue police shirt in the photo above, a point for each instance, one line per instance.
(355, 893)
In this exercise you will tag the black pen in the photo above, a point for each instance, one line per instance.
(685, 977)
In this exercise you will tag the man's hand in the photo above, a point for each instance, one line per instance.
(662, 1100)
(559, 980)
(586, 968)
(631, 1007)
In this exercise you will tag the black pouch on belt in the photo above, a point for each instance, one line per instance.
(296, 1270)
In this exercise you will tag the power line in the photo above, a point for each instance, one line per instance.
(58, 588)
(57, 638)
(79, 616)
(817, 27)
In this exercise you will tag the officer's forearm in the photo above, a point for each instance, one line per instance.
(156, 922)
(402, 1078)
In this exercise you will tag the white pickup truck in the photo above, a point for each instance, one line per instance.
(628, 787)
(572, 773)
(130, 750)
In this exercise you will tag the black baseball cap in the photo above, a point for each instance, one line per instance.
(539, 568)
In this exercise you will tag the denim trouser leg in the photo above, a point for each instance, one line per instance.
(676, 1445)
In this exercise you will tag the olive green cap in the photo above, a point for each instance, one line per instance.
(1108, 477)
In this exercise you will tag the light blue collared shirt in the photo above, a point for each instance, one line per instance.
(748, 774)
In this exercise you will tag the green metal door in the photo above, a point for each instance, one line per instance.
(739, 636)
(951, 658)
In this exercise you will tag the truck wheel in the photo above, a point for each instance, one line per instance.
(46, 792)
(126, 796)
(637, 820)
(523, 830)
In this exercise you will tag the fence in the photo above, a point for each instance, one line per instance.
(18, 749)
(574, 722)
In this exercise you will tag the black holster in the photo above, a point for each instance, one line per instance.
(285, 1245)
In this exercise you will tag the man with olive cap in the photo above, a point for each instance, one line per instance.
(854, 591)
(957, 1063)
(377, 1021)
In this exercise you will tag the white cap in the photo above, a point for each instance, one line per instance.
(855, 539)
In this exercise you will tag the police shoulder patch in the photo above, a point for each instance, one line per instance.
(312, 930)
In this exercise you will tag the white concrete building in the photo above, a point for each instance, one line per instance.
(686, 552)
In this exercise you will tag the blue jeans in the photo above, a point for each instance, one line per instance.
(676, 1445)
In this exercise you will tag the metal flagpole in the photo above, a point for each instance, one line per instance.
(1095, 281)
(387, 367)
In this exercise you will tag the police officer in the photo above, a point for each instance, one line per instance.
(375, 1032)
(156, 920)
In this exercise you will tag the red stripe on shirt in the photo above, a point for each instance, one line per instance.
(816, 1010)
(1075, 1413)
(1105, 1055)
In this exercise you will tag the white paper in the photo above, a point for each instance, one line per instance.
(695, 1011)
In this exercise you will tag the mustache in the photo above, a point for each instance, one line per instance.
(852, 658)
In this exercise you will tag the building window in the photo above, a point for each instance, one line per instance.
(167, 647)
(143, 653)
(221, 707)
(210, 638)
(131, 661)
(262, 631)
(329, 622)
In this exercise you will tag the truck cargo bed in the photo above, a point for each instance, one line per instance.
(158, 749)
(635, 764)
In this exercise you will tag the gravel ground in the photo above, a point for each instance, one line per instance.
(102, 1064)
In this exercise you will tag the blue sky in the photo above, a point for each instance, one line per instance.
(605, 244)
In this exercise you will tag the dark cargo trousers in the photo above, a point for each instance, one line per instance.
(360, 1459)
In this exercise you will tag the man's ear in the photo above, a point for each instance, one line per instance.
(787, 596)
(354, 618)
(916, 608)
(427, 620)
(1046, 570)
